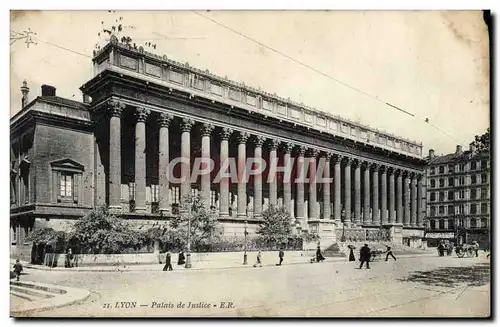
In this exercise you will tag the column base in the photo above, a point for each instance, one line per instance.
(165, 211)
(241, 216)
(224, 215)
(115, 208)
(140, 209)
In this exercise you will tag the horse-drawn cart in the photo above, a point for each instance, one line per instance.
(465, 250)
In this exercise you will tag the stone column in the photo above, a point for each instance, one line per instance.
(257, 207)
(414, 209)
(242, 183)
(347, 189)
(420, 201)
(186, 125)
(375, 209)
(399, 197)
(383, 196)
(163, 181)
(115, 109)
(313, 212)
(140, 159)
(273, 163)
(336, 189)
(300, 186)
(366, 200)
(287, 185)
(206, 131)
(357, 192)
(406, 185)
(224, 181)
(392, 202)
(327, 212)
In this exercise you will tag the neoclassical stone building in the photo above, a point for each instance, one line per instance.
(141, 111)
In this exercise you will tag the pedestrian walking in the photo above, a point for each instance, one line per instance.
(364, 256)
(319, 255)
(181, 260)
(440, 249)
(281, 256)
(475, 246)
(259, 260)
(351, 253)
(18, 268)
(389, 253)
(168, 262)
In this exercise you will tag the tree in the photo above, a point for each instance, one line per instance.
(482, 142)
(100, 232)
(205, 229)
(276, 227)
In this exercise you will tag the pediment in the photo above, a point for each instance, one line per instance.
(67, 163)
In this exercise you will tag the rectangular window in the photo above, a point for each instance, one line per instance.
(441, 210)
(484, 193)
(461, 180)
(473, 179)
(473, 165)
(66, 185)
(441, 224)
(473, 194)
(483, 178)
(451, 169)
(433, 183)
(433, 170)
(451, 181)
(462, 195)
(433, 196)
(441, 196)
(462, 167)
(450, 210)
(68, 190)
(451, 195)
(484, 208)
(441, 169)
(484, 164)
(461, 209)
(433, 211)
(473, 208)
(441, 182)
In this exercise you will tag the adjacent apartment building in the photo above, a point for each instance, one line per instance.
(458, 197)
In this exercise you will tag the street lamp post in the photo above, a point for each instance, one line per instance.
(245, 249)
(188, 254)
(342, 219)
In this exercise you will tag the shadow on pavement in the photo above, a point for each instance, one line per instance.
(476, 275)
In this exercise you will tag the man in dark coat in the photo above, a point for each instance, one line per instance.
(18, 268)
(281, 255)
(389, 253)
(364, 256)
(168, 263)
(319, 255)
(182, 259)
(351, 253)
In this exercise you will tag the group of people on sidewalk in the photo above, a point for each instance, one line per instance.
(366, 254)
(168, 261)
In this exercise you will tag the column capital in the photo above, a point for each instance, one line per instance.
(390, 170)
(420, 177)
(115, 108)
(413, 175)
(243, 137)
(225, 133)
(206, 129)
(398, 172)
(141, 114)
(259, 140)
(273, 144)
(328, 156)
(374, 166)
(186, 124)
(287, 147)
(366, 164)
(406, 174)
(337, 158)
(383, 169)
(301, 150)
(165, 119)
(313, 153)
(348, 161)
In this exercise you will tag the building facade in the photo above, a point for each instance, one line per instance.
(458, 193)
(142, 111)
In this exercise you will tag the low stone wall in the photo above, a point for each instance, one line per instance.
(85, 260)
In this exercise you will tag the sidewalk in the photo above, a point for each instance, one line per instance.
(198, 265)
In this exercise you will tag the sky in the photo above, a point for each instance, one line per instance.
(433, 64)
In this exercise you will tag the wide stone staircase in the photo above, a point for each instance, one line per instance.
(29, 297)
(341, 249)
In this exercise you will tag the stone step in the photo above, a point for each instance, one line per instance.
(24, 296)
(38, 287)
(41, 294)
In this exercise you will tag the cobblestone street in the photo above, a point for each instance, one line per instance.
(409, 287)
